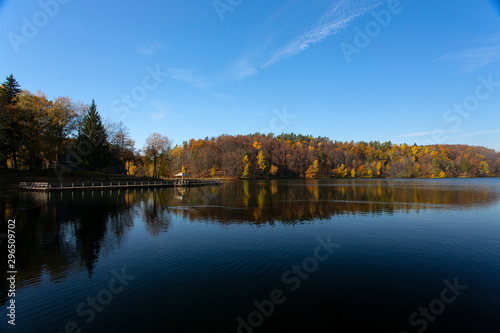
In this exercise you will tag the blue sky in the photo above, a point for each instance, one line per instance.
(406, 71)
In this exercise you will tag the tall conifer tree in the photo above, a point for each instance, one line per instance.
(9, 128)
(93, 143)
(9, 90)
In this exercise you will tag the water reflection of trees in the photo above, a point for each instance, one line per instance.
(155, 217)
(64, 233)
(299, 201)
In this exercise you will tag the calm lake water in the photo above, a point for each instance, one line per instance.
(262, 256)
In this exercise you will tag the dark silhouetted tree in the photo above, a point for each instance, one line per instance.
(9, 127)
(93, 145)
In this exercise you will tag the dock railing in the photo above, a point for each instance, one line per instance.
(61, 186)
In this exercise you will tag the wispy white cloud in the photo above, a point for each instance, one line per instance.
(244, 68)
(151, 48)
(474, 58)
(482, 133)
(161, 110)
(190, 77)
(336, 18)
(332, 22)
(425, 133)
(158, 116)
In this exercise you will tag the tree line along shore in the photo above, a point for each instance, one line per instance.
(69, 137)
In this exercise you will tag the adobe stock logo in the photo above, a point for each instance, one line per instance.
(223, 6)
(94, 305)
(363, 38)
(292, 279)
(461, 111)
(30, 28)
(278, 122)
(140, 92)
(426, 315)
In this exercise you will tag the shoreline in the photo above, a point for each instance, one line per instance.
(9, 179)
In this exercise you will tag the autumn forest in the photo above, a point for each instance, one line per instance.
(39, 133)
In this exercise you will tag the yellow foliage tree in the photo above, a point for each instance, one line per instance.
(484, 168)
(377, 169)
(403, 148)
(361, 171)
(131, 168)
(312, 170)
(246, 169)
(341, 171)
(414, 151)
(273, 170)
(150, 170)
(261, 160)
(369, 173)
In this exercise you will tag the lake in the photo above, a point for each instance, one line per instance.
(258, 256)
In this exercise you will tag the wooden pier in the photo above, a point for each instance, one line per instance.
(67, 186)
(196, 182)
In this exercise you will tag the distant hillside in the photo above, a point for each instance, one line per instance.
(298, 156)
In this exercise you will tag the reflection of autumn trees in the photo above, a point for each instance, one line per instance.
(292, 202)
(63, 233)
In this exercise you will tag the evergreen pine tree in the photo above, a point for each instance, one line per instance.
(10, 89)
(9, 128)
(92, 140)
